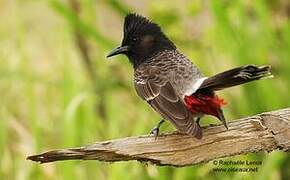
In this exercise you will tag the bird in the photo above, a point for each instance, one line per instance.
(170, 83)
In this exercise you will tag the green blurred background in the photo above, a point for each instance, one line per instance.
(58, 89)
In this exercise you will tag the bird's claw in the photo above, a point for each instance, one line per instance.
(155, 132)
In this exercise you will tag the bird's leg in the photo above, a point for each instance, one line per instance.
(197, 121)
(155, 130)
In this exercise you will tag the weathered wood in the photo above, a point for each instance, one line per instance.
(263, 132)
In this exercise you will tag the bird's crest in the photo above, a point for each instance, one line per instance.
(136, 23)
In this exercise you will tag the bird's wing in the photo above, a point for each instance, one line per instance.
(159, 93)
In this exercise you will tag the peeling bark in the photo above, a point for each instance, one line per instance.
(263, 132)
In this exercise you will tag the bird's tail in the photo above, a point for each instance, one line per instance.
(236, 76)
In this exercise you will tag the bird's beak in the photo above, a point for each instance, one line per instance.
(118, 50)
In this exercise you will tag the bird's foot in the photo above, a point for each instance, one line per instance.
(155, 130)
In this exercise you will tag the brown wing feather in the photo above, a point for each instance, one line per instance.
(164, 100)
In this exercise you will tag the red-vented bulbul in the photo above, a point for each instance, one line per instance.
(170, 83)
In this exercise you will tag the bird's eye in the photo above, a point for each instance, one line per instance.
(135, 39)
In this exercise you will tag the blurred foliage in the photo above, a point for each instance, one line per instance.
(48, 99)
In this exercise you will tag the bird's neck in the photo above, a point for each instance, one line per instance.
(137, 59)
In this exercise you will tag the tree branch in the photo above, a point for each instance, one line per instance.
(263, 132)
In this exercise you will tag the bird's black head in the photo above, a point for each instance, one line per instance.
(142, 40)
